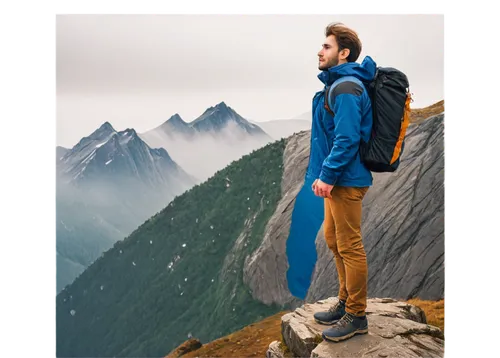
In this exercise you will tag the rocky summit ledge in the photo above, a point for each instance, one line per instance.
(395, 329)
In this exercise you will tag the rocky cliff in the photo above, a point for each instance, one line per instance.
(402, 226)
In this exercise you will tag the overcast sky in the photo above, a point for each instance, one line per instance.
(138, 70)
(51, 43)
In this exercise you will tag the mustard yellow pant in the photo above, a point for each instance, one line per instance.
(342, 228)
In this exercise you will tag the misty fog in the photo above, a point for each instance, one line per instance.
(206, 153)
(283, 128)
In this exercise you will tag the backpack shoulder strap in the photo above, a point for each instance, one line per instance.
(348, 84)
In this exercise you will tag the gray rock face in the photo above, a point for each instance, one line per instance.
(265, 270)
(395, 329)
(402, 227)
(275, 350)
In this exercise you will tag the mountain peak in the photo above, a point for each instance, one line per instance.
(214, 119)
(106, 126)
(224, 108)
(130, 131)
(175, 124)
(221, 105)
(176, 118)
(220, 113)
(104, 131)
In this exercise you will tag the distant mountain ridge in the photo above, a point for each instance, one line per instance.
(210, 142)
(216, 118)
(213, 120)
(111, 154)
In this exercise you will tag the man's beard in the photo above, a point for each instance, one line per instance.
(333, 62)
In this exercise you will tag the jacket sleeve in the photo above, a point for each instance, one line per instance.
(347, 135)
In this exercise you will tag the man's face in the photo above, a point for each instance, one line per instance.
(329, 55)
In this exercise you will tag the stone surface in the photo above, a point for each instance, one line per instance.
(395, 329)
(275, 350)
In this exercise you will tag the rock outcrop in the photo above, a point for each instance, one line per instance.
(190, 345)
(395, 329)
(403, 226)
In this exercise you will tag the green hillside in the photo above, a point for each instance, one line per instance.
(180, 272)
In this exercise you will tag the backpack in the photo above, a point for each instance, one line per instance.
(390, 97)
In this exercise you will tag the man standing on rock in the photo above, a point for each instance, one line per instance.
(343, 180)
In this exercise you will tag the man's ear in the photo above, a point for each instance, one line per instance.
(344, 53)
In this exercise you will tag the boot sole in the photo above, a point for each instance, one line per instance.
(338, 339)
(326, 323)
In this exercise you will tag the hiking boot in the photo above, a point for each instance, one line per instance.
(333, 314)
(346, 327)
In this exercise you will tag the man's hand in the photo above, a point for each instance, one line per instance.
(314, 185)
(322, 189)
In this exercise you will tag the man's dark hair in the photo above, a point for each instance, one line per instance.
(346, 38)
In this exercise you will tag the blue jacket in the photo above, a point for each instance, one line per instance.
(334, 156)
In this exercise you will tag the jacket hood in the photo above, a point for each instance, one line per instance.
(364, 71)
